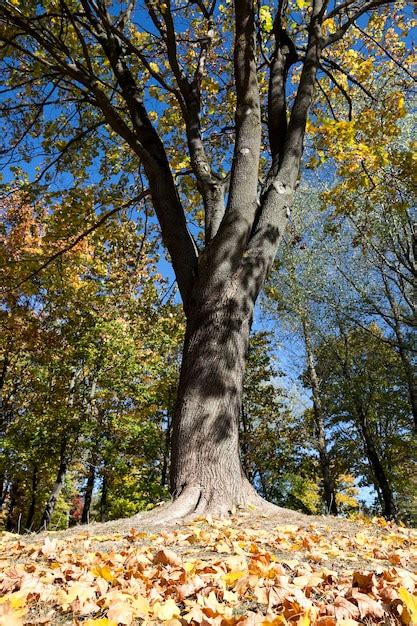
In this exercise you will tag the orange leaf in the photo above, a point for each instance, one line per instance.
(167, 557)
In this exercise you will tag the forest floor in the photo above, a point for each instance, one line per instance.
(249, 569)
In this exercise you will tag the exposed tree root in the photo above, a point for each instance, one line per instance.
(194, 502)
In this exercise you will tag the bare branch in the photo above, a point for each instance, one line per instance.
(340, 88)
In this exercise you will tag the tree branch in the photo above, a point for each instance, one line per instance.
(367, 6)
(283, 57)
(235, 229)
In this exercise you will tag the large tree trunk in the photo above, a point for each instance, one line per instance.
(329, 491)
(206, 470)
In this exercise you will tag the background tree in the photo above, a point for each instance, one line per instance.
(89, 349)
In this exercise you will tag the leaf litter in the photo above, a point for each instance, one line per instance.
(246, 570)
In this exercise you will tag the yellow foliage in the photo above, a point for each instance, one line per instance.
(265, 18)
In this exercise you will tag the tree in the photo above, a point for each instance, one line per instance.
(93, 65)
(366, 387)
(329, 280)
(88, 348)
(378, 222)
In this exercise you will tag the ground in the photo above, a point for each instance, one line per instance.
(249, 569)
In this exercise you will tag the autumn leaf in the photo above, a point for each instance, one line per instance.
(104, 571)
(120, 612)
(232, 577)
(167, 557)
(409, 612)
(166, 610)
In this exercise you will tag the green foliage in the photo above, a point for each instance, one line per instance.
(90, 363)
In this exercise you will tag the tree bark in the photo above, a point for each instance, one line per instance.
(329, 491)
(244, 443)
(206, 471)
(88, 496)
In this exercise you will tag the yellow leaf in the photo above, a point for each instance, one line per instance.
(266, 18)
(275, 621)
(409, 613)
(166, 610)
(103, 571)
(301, 3)
(154, 67)
(361, 539)
(232, 577)
(304, 620)
(141, 606)
(16, 600)
(189, 566)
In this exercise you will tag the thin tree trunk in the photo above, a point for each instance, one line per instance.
(103, 498)
(63, 460)
(56, 489)
(88, 495)
(381, 481)
(409, 370)
(12, 501)
(32, 507)
(403, 350)
(165, 463)
(389, 509)
(329, 491)
(206, 471)
(3, 489)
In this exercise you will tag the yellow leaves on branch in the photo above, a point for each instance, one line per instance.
(362, 140)
(154, 67)
(265, 18)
